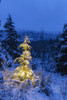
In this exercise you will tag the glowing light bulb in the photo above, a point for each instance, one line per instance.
(22, 74)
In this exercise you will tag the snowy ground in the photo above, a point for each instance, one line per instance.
(10, 90)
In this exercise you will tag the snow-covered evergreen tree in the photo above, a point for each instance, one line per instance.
(61, 58)
(24, 72)
(10, 43)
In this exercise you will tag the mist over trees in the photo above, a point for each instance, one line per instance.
(44, 46)
(33, 65)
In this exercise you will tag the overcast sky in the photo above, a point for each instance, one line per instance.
(47, 15)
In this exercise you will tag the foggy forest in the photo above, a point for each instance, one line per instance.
(33, 49)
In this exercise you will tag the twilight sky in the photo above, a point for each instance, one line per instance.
(37, 15)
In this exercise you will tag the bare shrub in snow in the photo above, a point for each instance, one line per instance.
(45, 84)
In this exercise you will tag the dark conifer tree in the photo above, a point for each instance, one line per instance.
(61, 58)
(10, 42)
